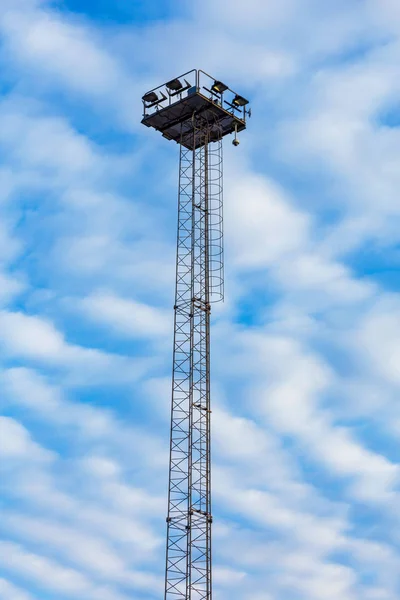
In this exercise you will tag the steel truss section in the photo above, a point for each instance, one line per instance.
(199, 281)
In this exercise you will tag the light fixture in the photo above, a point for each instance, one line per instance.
(150, 97)
(174, 85)
(236, 141)
(239, 101)
(219, 87)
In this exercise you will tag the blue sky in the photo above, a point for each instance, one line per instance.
(306, 351)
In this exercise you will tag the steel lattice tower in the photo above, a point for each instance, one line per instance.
(197, 112)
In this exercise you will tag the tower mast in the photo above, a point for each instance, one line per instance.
(196, 111)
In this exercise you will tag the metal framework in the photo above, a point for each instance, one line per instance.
(199, 282)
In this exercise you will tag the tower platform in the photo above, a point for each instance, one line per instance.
(189, 103)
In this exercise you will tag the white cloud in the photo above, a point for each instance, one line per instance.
(305, 27)
(340, 126)
(104, 526)
(66, 53)
(12, 592)
(291, 404)
(36, 339)
(325, 281)
(43, 570)
(227, 577)
(9, 288)
(287, 384)
(126, 317)
(31, 336)
(87, 552)
(264, 509)
(9, 246)
(16, 443)
(25, 388)
(378, 338)
(50, 575)
(266, 226)
(327, 582)
(44, 143)
(86, 512)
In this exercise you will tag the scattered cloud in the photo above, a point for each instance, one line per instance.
(306, 358)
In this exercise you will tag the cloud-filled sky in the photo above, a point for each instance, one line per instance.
(306, 348)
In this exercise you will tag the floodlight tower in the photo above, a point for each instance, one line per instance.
(196, 111)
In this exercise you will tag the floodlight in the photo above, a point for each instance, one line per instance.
(239, 101)
(236, 141)
(219, 87)
(174, 85)
(150, 97)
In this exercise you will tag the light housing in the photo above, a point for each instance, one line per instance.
(174, 85)
(240, 101)
(150, 97)
(219, 87)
